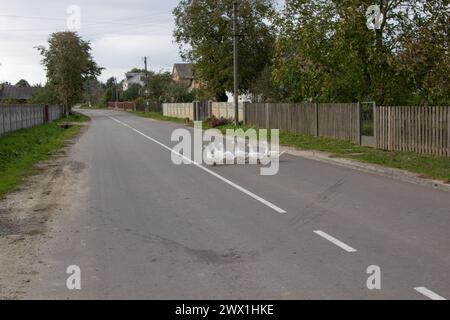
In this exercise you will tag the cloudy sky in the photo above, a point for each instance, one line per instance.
(121, 33)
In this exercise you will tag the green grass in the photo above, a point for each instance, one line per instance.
(428, 166)
(74, 118)
(158, 116)
(21, 150)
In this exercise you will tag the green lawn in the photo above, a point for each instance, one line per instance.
(158, 116)
(428, 166)
(21, 150)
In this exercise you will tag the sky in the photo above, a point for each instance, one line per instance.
(121, 33)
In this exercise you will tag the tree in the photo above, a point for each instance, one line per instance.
(326, 52)
(68, 63)
(425, 56)
(205, 39)
(133, 92)
(109, 92)
(44, 95)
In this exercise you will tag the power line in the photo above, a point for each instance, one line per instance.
(91, 22)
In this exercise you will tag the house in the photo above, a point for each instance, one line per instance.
(183, 74)
(17, 92)
(133, 78)
(241, 98)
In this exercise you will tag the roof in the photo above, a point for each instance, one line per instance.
(134, 74)
(184, 70)
(9, 92)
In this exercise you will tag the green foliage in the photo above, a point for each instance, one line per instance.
(68, 63)
(133, 92)
(326, 52)
(109, 92)
(44, 95)
(206, 39)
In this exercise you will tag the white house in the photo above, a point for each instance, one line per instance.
(132, 78)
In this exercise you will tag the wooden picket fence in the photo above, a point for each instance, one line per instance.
(424, 130)
(336, 120)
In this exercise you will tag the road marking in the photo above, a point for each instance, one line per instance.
(234, 185)
(429, 294)
(335, 241)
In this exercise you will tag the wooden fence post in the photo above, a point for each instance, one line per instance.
(375, 126)
(195, 110)
(359, 123)
(244, 112)
(448, 131)
(316, 114)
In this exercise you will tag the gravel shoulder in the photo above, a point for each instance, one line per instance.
(25, 220)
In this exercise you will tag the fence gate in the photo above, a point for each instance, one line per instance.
(368, 123)
(201, 110)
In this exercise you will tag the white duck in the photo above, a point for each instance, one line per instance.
(272, 154)
(215, 154)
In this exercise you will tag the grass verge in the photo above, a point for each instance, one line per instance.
(427, 166)
(21, 150)
(158, 116)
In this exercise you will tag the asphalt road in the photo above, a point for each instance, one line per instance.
(142, 228)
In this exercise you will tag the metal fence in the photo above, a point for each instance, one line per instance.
(16, 117)
(424, 130)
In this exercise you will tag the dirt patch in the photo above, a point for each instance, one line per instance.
(24, 221)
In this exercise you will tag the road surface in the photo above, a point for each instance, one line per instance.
(141, 227)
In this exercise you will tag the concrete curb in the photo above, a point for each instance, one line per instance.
(391, 173)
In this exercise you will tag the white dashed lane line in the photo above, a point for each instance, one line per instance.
(429, 294)
(335, 241)
(234, 185)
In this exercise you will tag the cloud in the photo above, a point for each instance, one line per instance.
(121, 33)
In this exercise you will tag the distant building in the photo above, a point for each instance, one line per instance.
(133, 78)
(241, 97)
(17, 92)
(183, 74)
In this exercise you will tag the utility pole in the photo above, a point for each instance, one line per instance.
(146, 85)
(117, 92)
(89, 92)
(236, 60)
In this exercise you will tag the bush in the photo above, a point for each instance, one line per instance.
(215, 122)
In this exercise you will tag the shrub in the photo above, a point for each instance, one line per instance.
(215, 122)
